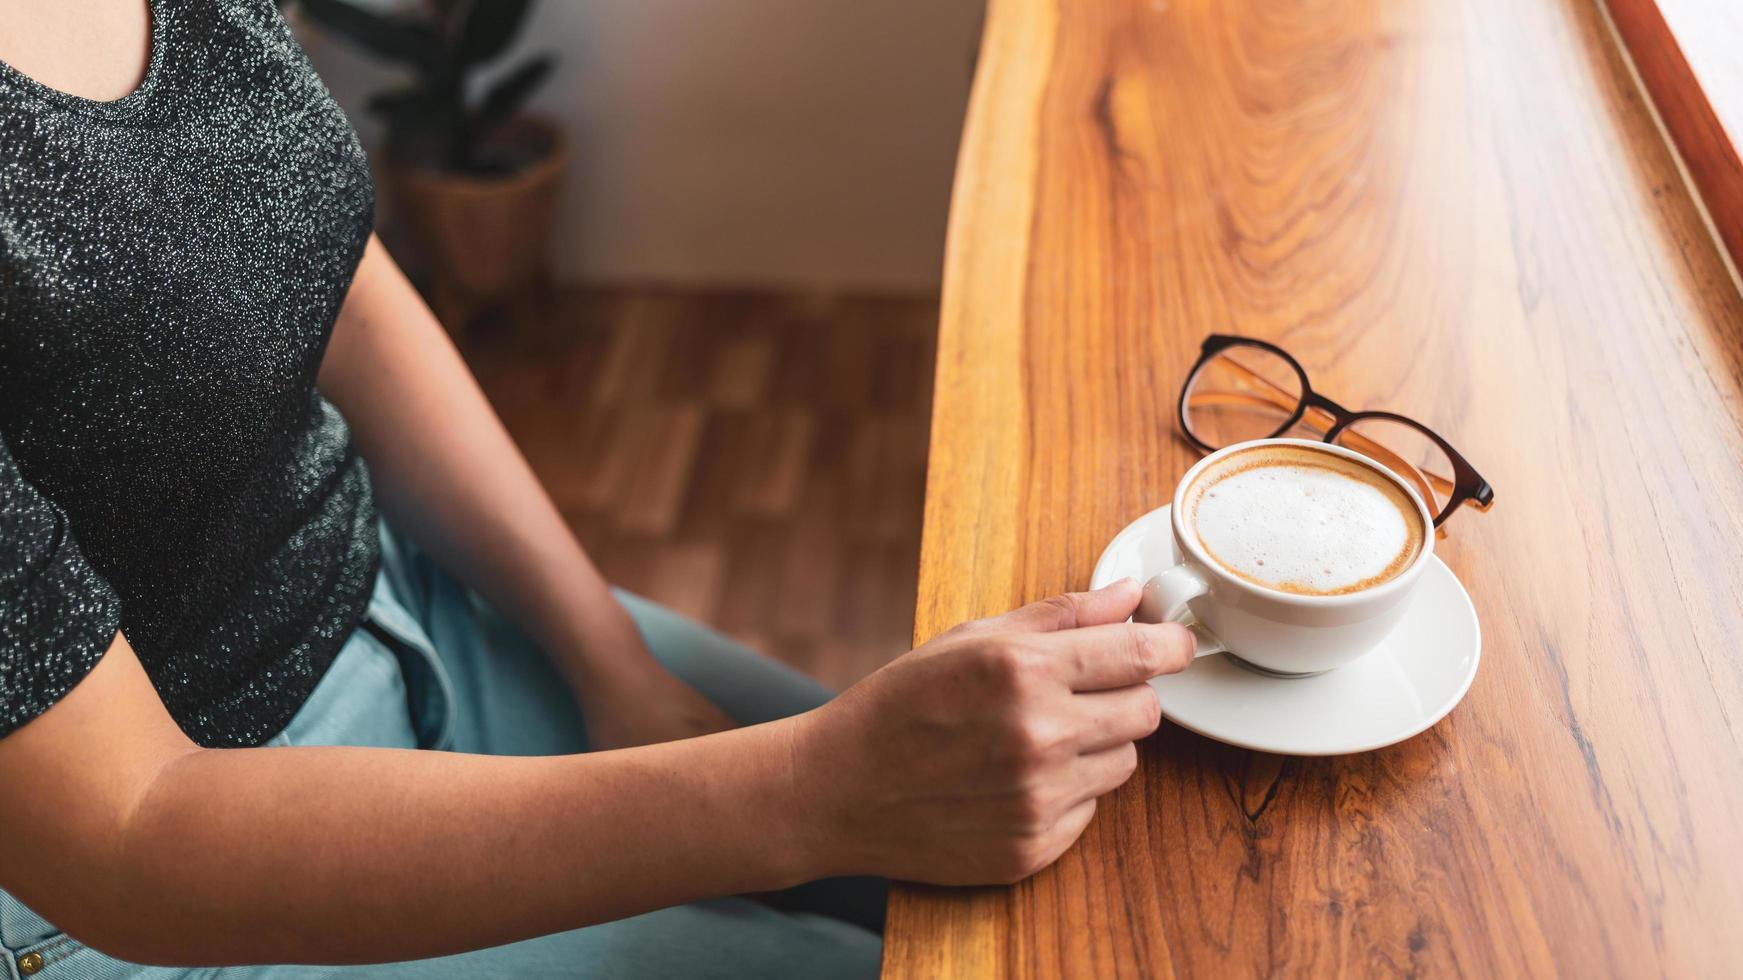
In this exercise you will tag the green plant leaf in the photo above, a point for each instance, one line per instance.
(407, 104)
(506, 97)
(421, 125)
(490, 27)
(389, 37)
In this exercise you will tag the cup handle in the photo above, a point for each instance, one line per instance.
(1165, 599)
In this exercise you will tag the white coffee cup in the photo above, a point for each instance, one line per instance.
(1278, 631)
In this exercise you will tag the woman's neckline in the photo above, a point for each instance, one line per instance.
(118, 108)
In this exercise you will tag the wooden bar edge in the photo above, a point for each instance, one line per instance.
(953, 932)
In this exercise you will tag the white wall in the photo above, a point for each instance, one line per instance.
(746, 142)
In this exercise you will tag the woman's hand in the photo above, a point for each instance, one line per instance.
(627, 698)
(639, 702)
(978, 757)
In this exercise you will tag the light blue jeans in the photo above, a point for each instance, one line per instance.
(432, 667)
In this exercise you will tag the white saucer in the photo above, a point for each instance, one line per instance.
(1415, 677)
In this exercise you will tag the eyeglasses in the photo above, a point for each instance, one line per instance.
(1244, 389)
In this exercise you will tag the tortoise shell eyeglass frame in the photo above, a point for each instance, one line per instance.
(1319, 413)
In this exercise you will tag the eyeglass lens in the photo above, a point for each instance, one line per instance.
(1406, 450)
(1241, 393)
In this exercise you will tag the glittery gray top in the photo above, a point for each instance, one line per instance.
(171, 264)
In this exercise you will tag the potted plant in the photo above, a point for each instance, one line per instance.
(472, 178)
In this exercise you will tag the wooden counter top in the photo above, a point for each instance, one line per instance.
(1459, 211)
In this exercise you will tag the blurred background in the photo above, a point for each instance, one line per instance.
(692, 250)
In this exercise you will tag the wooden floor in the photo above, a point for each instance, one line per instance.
(755, 461)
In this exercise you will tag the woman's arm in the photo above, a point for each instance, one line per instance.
(976, 758)
(447, 474)
(149, 848)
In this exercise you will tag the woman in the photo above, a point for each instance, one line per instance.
(243, 722)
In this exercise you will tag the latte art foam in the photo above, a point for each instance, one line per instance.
(1304, 521)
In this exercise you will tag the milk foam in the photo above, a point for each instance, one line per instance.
(1300, 527)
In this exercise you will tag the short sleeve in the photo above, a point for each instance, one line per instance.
(57, 614)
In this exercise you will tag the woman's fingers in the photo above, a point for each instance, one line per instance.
(1115, 655)
(1101, 772)
(1107, 719)
(1071, 610)
(1064, 832)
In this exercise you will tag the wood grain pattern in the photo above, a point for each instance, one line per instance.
(1461, 211)
(1690, 56)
